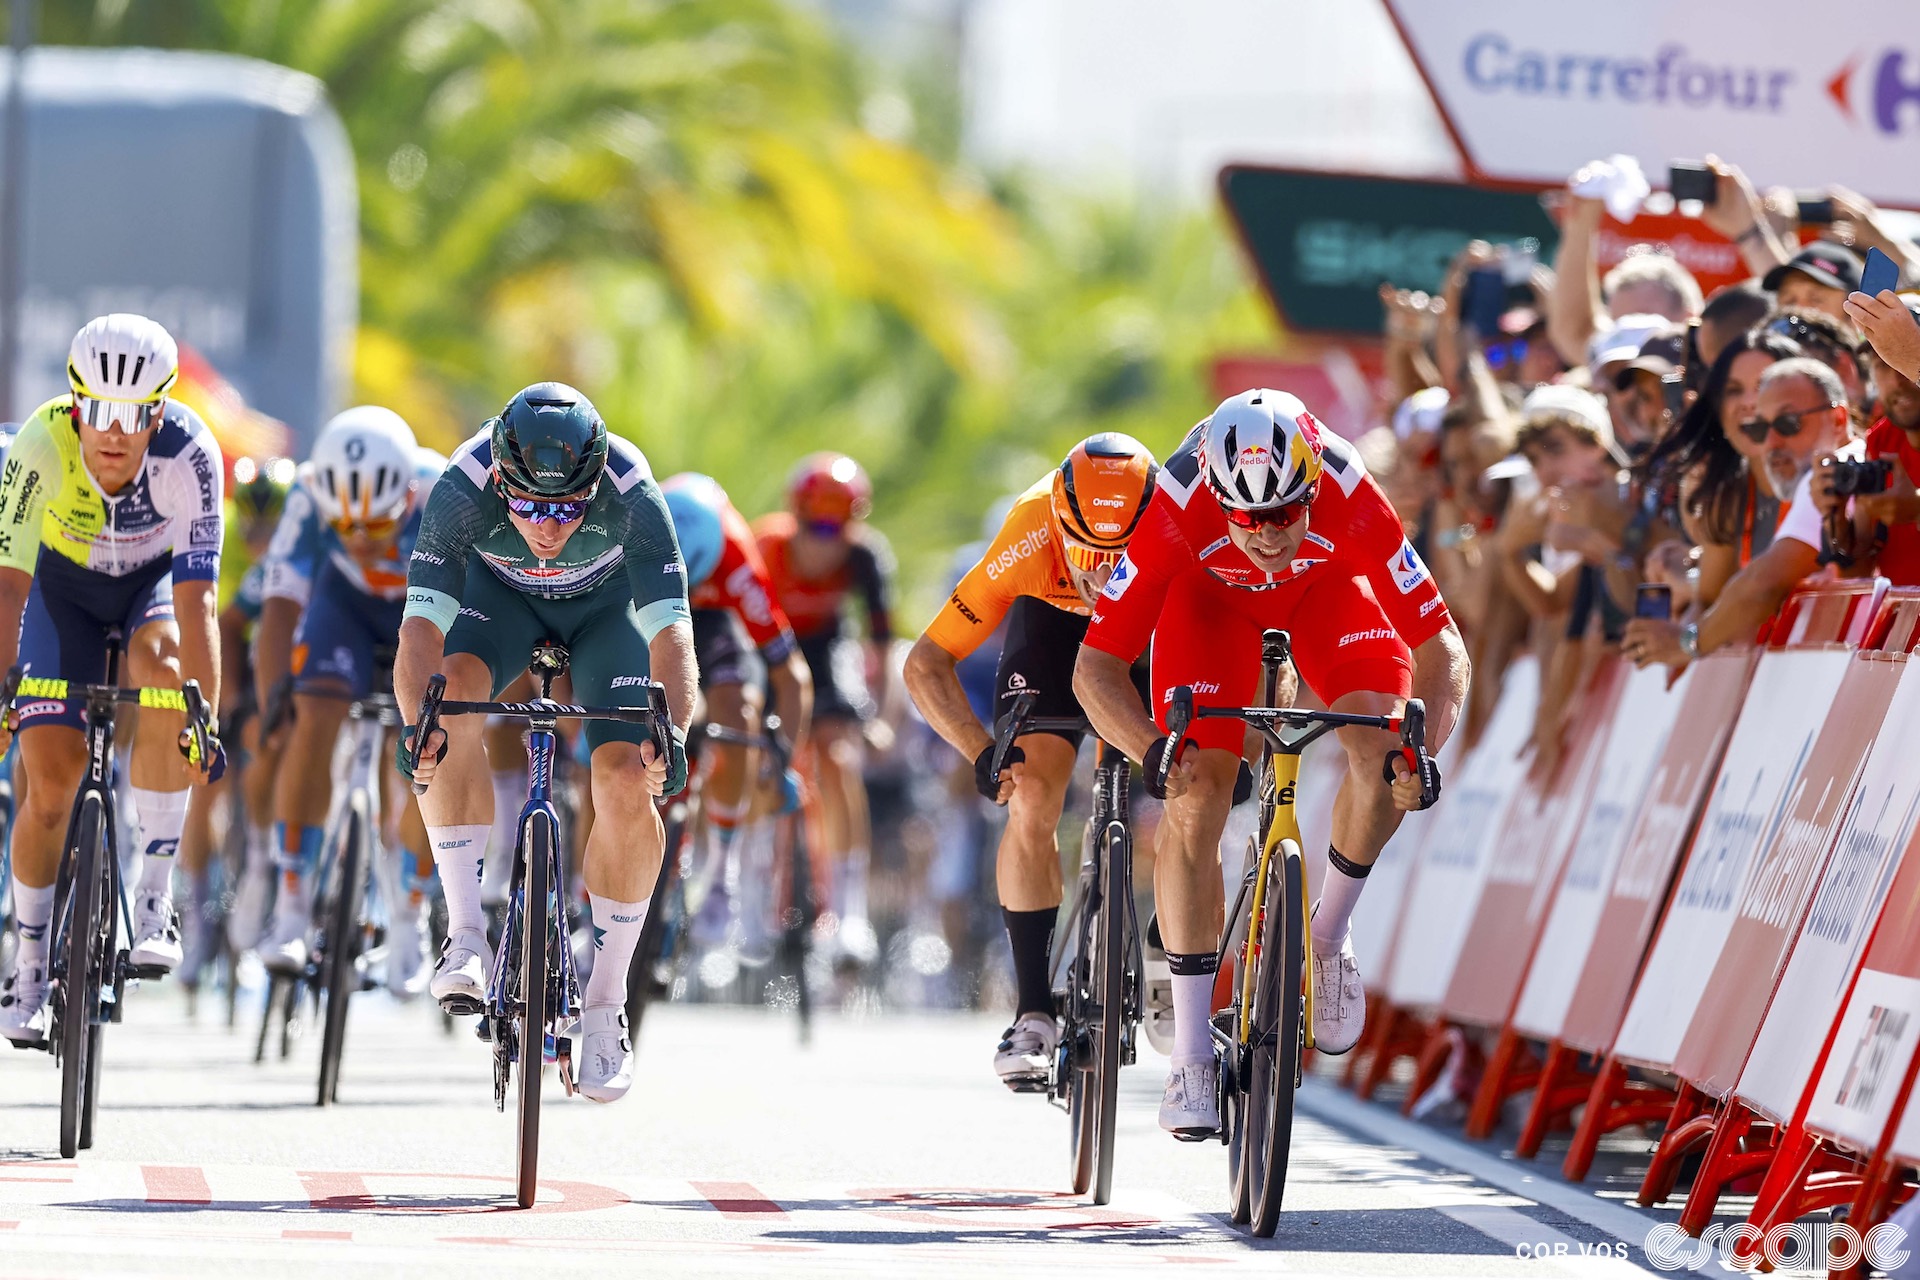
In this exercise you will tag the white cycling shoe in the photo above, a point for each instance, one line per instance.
(407, 952)
(247, 920)
(1339, 1000)
(1190, 1108)
(156, 933)
(23, 1007)
(284, 950)
(1025, 1057)
(460, 978)
(604, 1058)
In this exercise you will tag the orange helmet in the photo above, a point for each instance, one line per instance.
(1099, 494)
(829, 490)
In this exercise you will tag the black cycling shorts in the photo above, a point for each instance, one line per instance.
(720, 645)
(1043, 643)
(838, 665)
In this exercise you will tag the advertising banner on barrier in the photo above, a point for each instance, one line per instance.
(1634, 740)
(1715, 687)
(1532, 91)
(1773, 898)
(1785, 707)
(1453, 861)
(1876, 830)
(1874, 1043)
(1539, 829)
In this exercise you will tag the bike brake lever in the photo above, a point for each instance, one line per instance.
(1179, 718)
(1007, 729)
(429, 721)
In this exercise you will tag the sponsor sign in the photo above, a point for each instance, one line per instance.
(1532, 91)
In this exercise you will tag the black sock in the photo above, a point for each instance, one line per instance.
(1031, 933)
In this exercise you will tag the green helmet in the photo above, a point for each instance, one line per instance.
(550, 441)
(260, 488)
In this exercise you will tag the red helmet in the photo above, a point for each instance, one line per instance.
(828, 491)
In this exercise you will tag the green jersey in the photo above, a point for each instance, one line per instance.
(627, 532)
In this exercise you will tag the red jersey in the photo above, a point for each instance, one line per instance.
(817, 606)
(741, 585)
(1900, 559)
(1352, 531)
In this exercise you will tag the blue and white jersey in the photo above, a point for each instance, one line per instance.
(303, 542)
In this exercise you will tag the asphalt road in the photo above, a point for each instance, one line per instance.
(884, 1148)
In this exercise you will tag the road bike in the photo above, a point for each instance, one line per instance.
(1262, 1035)
(534, 994)
(681, 888)
(1097, 963)
(89, 965)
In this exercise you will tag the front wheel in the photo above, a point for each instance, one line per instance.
(1278, 1039)
(536, 923)
(341, 971)
(82, 967)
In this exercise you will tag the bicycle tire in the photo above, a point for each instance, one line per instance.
(1278, 1040)
(81, 976)
(799, 920)
(1111, 999)
(1082, 922)
(536, 924)
(343, 949)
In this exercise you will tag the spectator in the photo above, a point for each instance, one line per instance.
(1891, 327)
(1872, 231)
(1613, 349)
(1885, 538)
(1649, 384)
(1833, 343)
(1738, 214)
(1713, 469)
(1647, 282)
(1730, 312)
(1802, 413)
(1818, 278)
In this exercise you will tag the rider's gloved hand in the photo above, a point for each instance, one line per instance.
(403, 751)
(676, 761)
(1243, 784)
(1429, 780)
(789, 791)
(983, 780)
(1150, 765)
(217, 766)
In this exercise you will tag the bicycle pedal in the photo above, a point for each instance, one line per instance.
(150, 972)
(462, 1006)
(44, 1046)
(1197, 1135)
(1025, 1084)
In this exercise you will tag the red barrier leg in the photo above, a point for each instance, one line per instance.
(1689, 1124)
(1562, 1086)
(1431, 1062)
(1401, 1035)
(1787, 1172)
(1727, 1158)
(1512, 1068)
(1613, 1103)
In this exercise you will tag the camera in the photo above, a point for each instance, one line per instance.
(1858, 477)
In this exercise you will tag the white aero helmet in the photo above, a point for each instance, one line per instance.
(1260, 449)
(121, 367)
(365, 465)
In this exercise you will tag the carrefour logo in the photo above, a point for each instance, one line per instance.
(1886, 78)
(1671, 74)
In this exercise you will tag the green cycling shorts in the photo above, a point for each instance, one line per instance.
(600, 630)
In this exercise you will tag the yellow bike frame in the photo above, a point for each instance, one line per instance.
(1285, 768)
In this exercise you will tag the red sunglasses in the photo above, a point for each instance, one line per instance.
(1284, 516)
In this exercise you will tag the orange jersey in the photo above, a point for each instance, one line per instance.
(1024, 559)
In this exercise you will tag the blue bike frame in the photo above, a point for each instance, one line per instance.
(542, 743)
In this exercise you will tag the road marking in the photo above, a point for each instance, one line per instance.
(738, 1199)
(176, 1184)
(291, 1234)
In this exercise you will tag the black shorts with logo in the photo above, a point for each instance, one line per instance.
(721, 648)
(1043, 643)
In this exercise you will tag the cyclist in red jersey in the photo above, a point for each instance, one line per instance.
(1264, 519)
(730, 592)
(818, 553)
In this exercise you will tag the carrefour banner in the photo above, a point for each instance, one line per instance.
(1531, 91)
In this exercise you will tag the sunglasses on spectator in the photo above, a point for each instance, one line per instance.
(1283, 516)
(384, 527)
(1089, 559)
(125, 415)
(1797, 330)
(1786, 426)
(1501, 354)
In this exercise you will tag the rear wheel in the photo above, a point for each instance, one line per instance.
(798, 920)
(643, 975)
(1278, 1041)
(341, 970)
(82, 971)
(1080, 1031)
(1110, 941)
(536, 925)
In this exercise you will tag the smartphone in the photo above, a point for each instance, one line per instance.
(1691, 180)
(1517, 263)
(1814, 210)
(1653, 600)
(1484, 300)
(1880, 274)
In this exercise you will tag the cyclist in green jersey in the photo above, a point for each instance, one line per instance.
(545, 528)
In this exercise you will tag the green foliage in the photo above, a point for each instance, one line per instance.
(674, 206)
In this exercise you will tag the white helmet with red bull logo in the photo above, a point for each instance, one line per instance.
(1261, 449)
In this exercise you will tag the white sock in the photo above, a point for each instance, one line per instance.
(161, 816)
(509, 798)
(1192, 1016)
(1333, 914)
(33, 910)
(260, 847)
(457, 852)
(616, 931)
